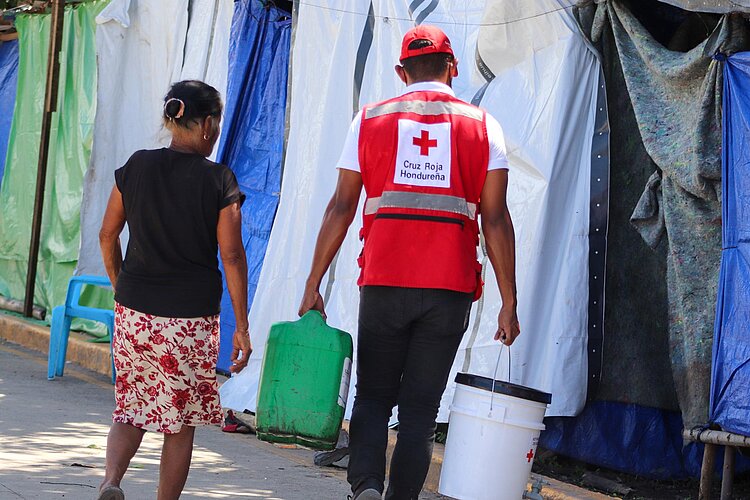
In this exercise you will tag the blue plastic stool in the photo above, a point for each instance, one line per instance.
(62, 317)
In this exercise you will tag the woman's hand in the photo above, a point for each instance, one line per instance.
(241, 350)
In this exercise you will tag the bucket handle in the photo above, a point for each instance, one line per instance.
(494, 376)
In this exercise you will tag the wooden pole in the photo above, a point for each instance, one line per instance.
(50, 105)
(727, 476)
(722, 438)
(707, 471)
(17, 306)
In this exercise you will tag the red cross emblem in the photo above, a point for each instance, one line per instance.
(425, 143)
(529, 456)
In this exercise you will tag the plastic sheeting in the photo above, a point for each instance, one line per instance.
(630, 438)
(253, 141)
(626, 437)
(545, 78)
(207, 43)
(730, 377)
(8, 81)
(70, 149)
(143, 48)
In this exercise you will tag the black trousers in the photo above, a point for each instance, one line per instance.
(408, 338)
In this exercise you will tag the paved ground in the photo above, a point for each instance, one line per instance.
(53, 437)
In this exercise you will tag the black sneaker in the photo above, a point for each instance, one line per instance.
(369, 494)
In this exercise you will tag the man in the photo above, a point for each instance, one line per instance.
(426, 159)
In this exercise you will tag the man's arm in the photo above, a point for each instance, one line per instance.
(338, 217)
(501, 249)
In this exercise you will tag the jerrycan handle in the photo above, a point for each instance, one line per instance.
(313, 317)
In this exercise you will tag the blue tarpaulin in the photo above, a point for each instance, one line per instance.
(8, 81)
(253, 140)
(626, 437)
(630, 438)
(730, 376)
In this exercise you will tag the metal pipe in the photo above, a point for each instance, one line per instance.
(721, 438)
(17, 306)
(727, 477)
(50, 104)
(707, 472)
(17, 10)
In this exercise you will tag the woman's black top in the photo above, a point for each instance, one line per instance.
(172, 202)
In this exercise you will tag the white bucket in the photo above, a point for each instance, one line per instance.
(492, 441)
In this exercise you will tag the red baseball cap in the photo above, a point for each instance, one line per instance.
(440, 42)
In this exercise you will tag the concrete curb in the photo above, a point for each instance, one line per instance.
(92, 356)
(96, 357)
(552, 488)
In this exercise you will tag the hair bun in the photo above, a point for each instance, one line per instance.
(189, 102)
(174, 108)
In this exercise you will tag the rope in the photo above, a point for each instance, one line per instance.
(500, 23)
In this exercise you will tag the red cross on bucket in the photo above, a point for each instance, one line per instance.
(425, 143)
(529, 456)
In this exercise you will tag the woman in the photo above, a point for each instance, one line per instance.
(180, 208)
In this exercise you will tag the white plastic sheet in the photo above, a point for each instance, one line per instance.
(544, 96)
(142, 48)
(207, 43)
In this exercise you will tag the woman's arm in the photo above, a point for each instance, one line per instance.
(229, 235)
(109, 235)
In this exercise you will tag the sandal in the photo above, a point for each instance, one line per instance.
(233, 424)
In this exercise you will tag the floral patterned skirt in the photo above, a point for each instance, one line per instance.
(166, 371)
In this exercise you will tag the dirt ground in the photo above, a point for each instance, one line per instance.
(617, 483)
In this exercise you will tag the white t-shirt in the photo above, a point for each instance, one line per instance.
(349, 159)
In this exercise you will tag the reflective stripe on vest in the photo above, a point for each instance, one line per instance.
(426, 108)
(421, 201)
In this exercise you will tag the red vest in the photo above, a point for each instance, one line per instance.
(423, 158)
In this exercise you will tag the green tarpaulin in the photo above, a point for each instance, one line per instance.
(70, 150)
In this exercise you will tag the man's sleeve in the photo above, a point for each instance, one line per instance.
(498, 155)
(349, 159)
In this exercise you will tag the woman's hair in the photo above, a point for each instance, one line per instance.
(190, 101)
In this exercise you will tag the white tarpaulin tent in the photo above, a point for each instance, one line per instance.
(544, 95)
(144, 46)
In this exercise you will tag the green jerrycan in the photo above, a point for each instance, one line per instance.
(304, 383)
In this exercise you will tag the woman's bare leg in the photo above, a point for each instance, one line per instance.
(122, 443)
(175, 463)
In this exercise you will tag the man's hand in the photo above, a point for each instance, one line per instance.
(507, 325)
(312, 299)
(241, 350)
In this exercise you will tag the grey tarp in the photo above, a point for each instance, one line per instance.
(676, 101)
(716, 6)
(636, 350)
